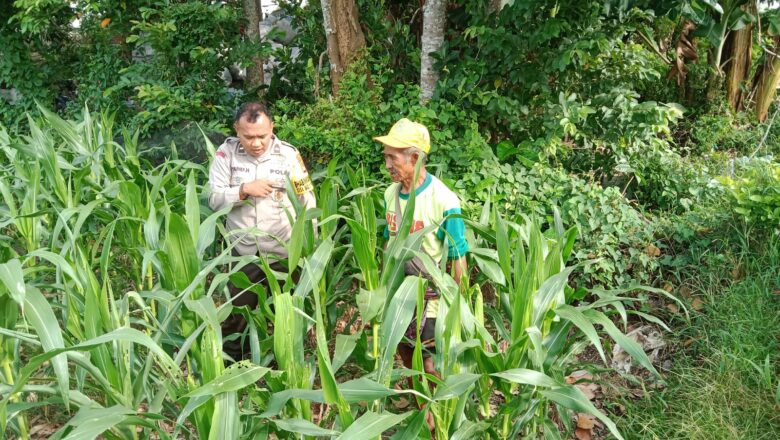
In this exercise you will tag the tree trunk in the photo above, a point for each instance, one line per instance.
(767, 78)
(344, 36)
(495, 6)
(254, 15)
(738, 55)
(434, 22)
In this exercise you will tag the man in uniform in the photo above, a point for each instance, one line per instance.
(249, 174)
(406, 143)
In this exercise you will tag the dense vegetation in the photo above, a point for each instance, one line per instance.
(611, 174)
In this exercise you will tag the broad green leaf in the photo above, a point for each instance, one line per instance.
(629, 345)
(413, 428)
(237, 376)
(345, 345)
(455, 386)
(371, 302)
(371, 425)
(278, 400)
(226, 420)
(192, 207)
(395, 321)
(305, 427)
(330, 387)
(317, 263)
(572, 398)
(91, 422)
(527, 377)
(182, 261)
(491, 269)
(12, 276)
(583, 323)
(470, 430)
(40, 315)
(120, 335)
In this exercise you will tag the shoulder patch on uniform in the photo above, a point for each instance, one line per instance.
(287, 144)
(221, 153)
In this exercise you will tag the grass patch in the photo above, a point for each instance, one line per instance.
(724, 385)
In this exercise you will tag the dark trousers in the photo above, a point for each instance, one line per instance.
(236, 323)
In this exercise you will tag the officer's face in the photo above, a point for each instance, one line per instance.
(399, 164)
(255, 136)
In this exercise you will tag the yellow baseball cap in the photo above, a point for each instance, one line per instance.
(405, 134)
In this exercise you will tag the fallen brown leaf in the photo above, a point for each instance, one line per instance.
(583, 434)
(578, 376)
(674, 308)
(738, 272)
(697, 304)
(652, 250)
(585, 421)
(590, 390)
(688, 342)
(668, 287)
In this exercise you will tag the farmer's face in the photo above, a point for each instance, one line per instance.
(255, 136)
(399, 164)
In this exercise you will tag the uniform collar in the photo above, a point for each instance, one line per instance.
(274, 148)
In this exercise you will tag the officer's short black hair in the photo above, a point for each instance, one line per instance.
(252, 111)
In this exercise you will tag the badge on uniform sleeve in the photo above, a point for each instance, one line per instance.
(302, 185)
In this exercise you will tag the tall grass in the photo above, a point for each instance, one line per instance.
(726, 383)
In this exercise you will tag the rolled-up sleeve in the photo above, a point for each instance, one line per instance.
(221, 194)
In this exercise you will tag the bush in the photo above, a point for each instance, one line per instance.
(612, 231)
(755, 192)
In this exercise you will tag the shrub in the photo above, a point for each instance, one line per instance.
(755, 192)
(612, 231)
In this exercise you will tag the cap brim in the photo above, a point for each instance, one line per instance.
(392, 141)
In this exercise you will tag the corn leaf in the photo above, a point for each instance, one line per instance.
(91, 422)
(394, 323)
(455, 385)
(371, 424)
(225, 422)
(11, 275)
(628, 344)
(40, 315)
(527, 377)
(237, 376)
(572, 398)
(305, 427)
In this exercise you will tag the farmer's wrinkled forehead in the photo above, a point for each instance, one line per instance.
(391, 152)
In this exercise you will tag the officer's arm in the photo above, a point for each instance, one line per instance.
(302, 182)
(221, 194)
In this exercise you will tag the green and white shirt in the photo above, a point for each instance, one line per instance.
(433, 203)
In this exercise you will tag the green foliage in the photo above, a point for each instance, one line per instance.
(614, 233)
(735, 134)
(730, 349)
(755, 192)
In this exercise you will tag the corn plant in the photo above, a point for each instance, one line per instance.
(113, 281)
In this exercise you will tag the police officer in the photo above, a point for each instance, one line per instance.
(249, 174)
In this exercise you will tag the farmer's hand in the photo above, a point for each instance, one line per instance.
(256, 188)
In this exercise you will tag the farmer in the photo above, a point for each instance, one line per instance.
(249, 174)
(407, 143)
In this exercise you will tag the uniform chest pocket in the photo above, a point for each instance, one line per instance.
(239, 175)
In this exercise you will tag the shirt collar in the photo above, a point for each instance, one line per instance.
(421, 188)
